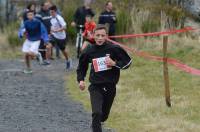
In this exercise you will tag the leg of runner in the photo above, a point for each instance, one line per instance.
(48, 54)
(28, 57)
(96, 98)
(61, 43)
(68, 61)
(109, 95)
(27, 61)
(57, 52)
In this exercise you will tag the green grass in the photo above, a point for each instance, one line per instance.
(140, 104)
(6, 50)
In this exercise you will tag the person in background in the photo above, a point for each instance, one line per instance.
(44, 16)
(90, 25)
(108, 17)
(35, 31)
(81, 13)
(58, 34)
(50, 3)
(106, 61)
(30, 7)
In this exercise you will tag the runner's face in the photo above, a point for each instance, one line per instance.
(53, 13)
(100, 36)
(46, 6)
(32, 7)
(30, 15)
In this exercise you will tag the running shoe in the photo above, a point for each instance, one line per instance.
(39, 56)
(46, 62)
(28, 71)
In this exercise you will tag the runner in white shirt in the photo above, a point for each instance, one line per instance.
(58, 34)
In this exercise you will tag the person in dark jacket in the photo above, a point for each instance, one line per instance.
(81, 13)
(108, 17)
(107, 60)
(44, 16)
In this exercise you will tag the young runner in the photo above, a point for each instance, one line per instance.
(107, 60)
(35, 31)
(58, 34)
(90, 25)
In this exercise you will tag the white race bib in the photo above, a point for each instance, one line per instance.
(100, 64)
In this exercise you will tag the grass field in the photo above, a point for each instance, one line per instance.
(140, 104)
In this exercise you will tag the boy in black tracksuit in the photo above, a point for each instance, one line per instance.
(107, 60)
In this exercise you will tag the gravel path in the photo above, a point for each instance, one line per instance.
(38, 102)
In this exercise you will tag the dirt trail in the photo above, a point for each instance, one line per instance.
(38, 102)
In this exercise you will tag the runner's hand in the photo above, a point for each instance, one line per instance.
(110, 62)
(73, 24)
(48, 45)
(82, 85)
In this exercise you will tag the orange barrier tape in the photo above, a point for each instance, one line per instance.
(155, 33)
(172, 61)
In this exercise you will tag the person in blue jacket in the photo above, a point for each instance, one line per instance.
(34, 31)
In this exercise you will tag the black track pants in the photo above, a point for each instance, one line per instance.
(102, 97)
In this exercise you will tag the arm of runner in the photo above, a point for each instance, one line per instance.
(82, 67)
(123, 61)
(59, 29)
(44, 34)
(82, 85)
(110, 62)
(62, 24)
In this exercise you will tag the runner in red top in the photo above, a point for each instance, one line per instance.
(90, 25)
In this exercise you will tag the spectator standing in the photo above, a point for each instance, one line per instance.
(44, 16)
(108, 18)
(81, 13)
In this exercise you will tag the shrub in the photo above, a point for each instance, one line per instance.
(150, 25)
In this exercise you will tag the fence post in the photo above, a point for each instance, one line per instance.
(165, 72)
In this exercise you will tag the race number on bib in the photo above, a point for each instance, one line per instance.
(100, 64)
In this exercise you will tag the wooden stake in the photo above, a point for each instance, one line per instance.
(165, 72)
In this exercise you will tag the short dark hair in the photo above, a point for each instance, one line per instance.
(29, 5)
(42, 4)
(89, 15)
(53, 7)
(108, 2)
(101, 27)
(30, 11)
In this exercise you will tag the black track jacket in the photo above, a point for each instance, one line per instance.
(116, 53)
